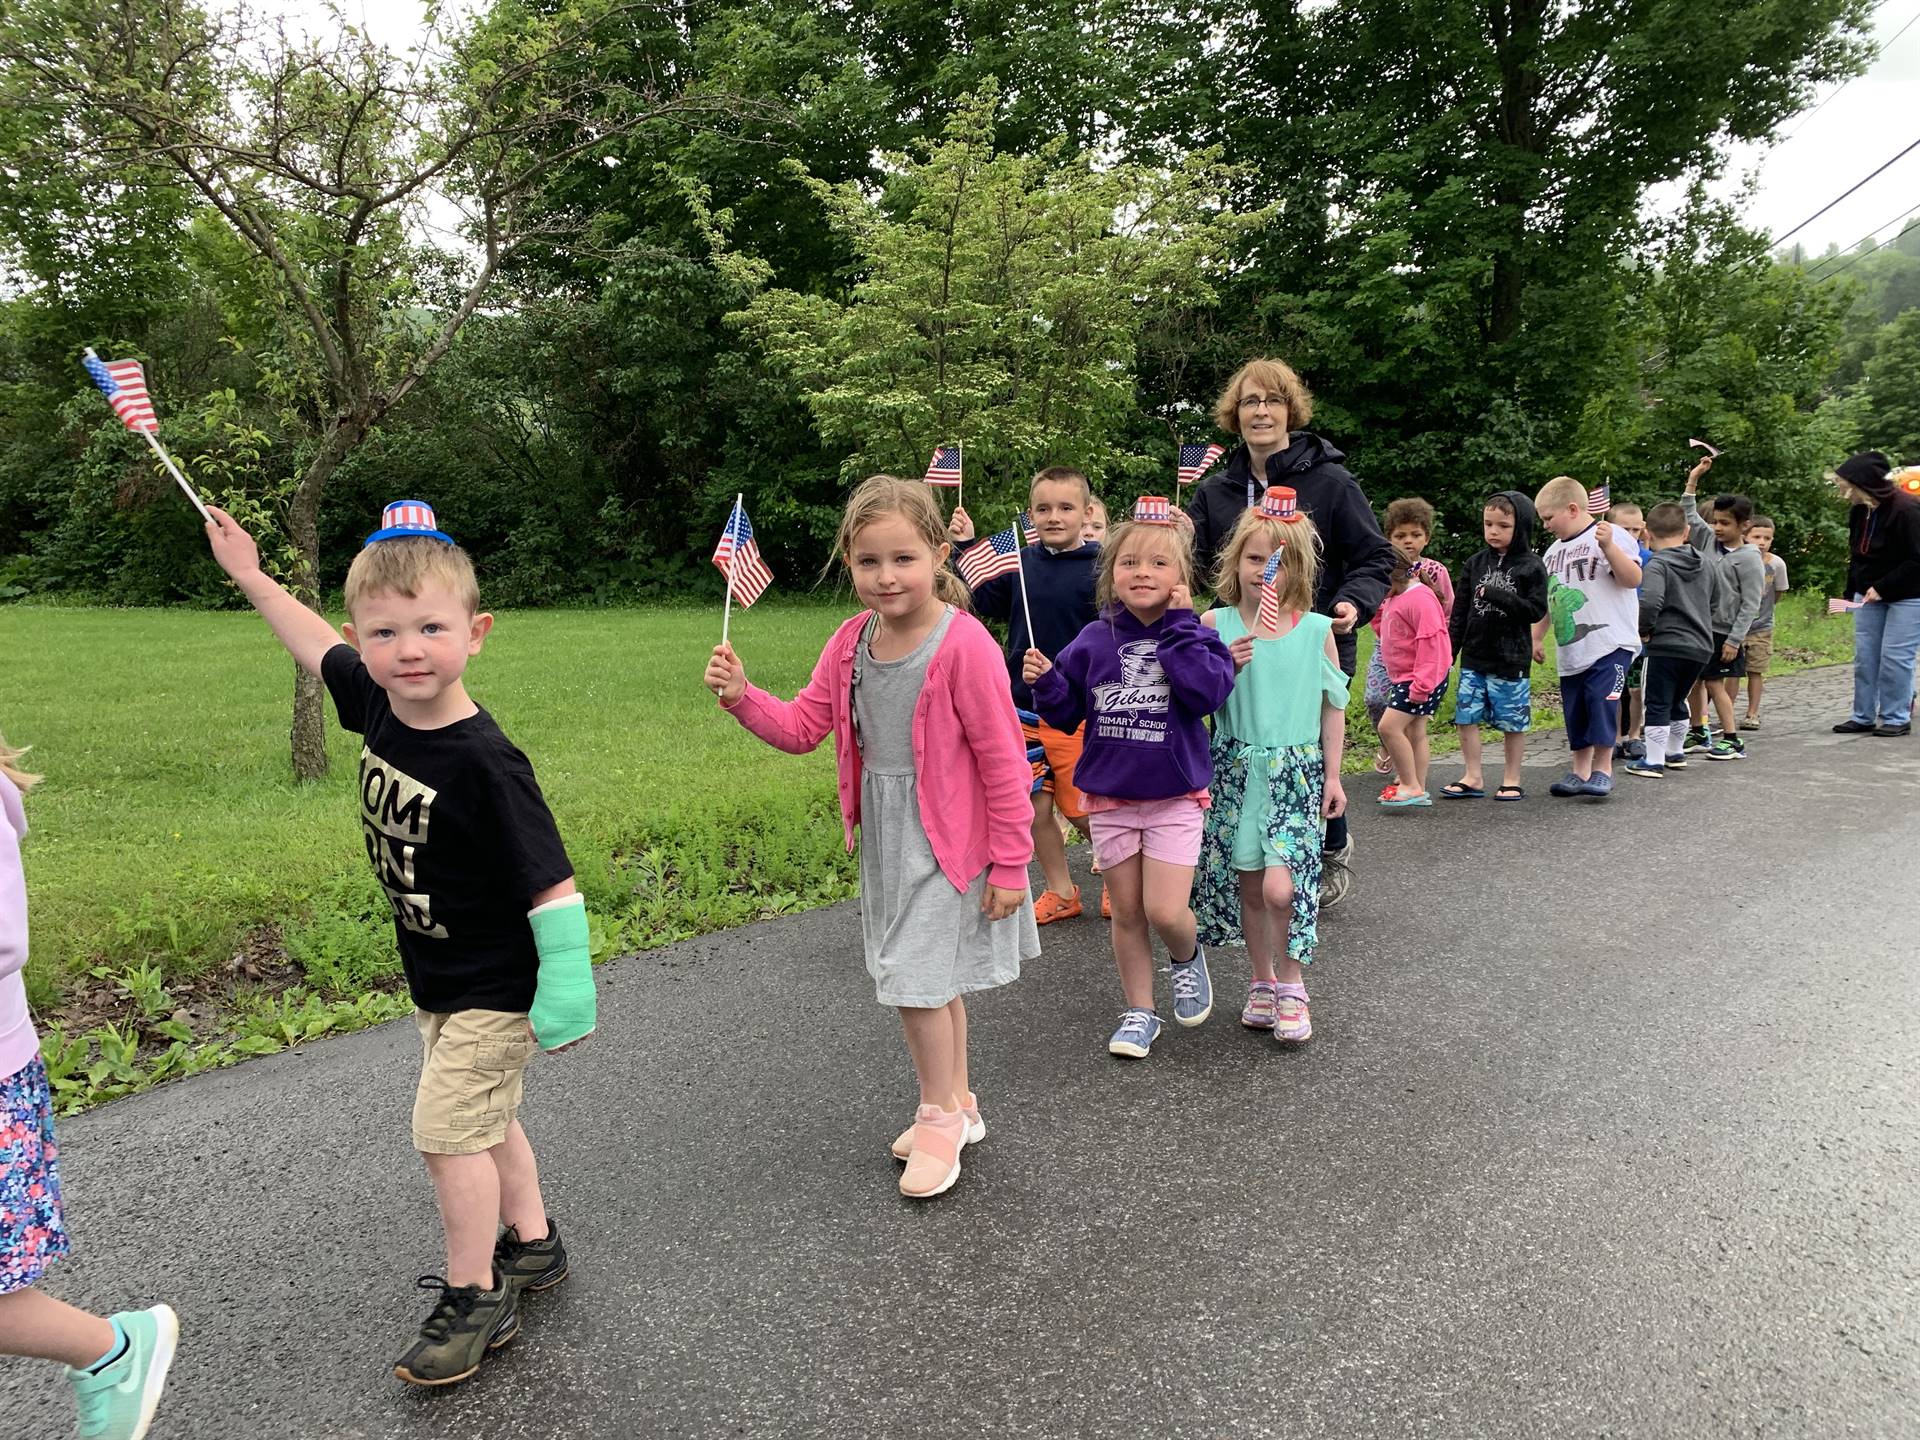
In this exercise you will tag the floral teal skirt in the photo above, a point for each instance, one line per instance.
(1265, 812)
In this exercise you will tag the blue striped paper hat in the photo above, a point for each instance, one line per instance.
(408, 520)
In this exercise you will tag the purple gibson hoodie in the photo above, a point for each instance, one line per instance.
(18, 1043)
(1145, 692)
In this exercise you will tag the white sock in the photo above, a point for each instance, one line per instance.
(1656, 738)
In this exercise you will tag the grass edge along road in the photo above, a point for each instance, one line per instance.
(192, 906)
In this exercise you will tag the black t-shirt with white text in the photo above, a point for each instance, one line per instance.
(461, 840)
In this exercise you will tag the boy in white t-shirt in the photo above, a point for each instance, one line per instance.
(1594, 615)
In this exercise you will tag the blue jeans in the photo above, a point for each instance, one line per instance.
(1886, 638)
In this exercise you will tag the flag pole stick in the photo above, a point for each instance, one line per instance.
(960, 490)
(167, 460)
(1020, 569)
(733, 560)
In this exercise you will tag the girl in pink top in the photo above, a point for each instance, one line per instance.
(117, 1364)
(1414, 645)
(934, 773)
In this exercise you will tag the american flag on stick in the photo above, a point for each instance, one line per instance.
(124, 384)
(738, 556)
(998, 554)
(945, 467)
(1600, 501)
(1196, 460)
(1713, 452)
(1269, 617)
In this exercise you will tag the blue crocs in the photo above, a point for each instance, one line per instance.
(1599, 785)
(1192, 988)
(1568, 784)
(1138, 1030)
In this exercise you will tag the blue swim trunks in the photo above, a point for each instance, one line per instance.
(1507, 705)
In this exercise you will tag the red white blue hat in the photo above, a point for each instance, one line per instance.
(1152, 510)
(1279, 503)
(408, 520)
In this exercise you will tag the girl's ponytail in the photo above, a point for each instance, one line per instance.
(9, 766)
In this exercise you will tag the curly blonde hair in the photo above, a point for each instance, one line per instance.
(1299, 571)
(878, 496)
(1132, 534)
(10, 766)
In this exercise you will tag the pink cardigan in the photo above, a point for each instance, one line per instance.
(1413, 640)
(969, 757)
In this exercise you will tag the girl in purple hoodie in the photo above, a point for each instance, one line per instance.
(1144, 677)
(116, 1364)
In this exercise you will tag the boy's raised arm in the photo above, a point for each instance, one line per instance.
(306, 635)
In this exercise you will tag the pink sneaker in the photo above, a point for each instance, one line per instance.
(976, 1128)
(1292, 1021)
(1260, 1006)
(938, 1139)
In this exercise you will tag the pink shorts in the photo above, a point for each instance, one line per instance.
(1165, 830)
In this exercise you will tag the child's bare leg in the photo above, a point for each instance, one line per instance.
(40, 1327)
(1756, 682)
(1254, 923)
(468, 1189)
(1635, 703)
(1470, 755)
(1048, 848)
(1722, 692)
(1697, 705)
(1513, 748)
(930, 1043)
(1422, 750)
(957, 1018)
(1165, 891)
(1277, 888)
(1583, 761)
(1132, 945)
(1393, 734)
(521, 1205)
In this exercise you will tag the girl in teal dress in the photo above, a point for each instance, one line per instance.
(1276, 764)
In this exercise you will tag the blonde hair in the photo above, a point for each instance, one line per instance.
(1132, 532)
(406, 566)
(1558, 493)
(1299, 571)
(1094, 502)
(1273, 377)
(878, 496)
(10, 767)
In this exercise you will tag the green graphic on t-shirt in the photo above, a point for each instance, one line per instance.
(1562, 601)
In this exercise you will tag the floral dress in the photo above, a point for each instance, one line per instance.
(1269, 780)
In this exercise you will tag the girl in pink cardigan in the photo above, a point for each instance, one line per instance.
(116, 1364)
(1414, 644)
(934, 773)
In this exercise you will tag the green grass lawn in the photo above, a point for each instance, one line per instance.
(183, 889)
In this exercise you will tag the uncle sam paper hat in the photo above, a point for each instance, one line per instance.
(408, 520)
(1152, 510)
(1279, 503)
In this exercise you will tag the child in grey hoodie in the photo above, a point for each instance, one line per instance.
(1676, 622)
(1740, 579)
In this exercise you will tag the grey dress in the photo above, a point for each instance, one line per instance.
(926, 942)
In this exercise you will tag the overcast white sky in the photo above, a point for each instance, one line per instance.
(1821, 152)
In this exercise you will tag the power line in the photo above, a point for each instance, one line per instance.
(1853, 260)
(1864, 239)
(1779, 239)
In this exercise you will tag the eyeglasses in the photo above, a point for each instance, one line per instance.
(1271, 402)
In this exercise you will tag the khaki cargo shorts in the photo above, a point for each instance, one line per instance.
(1759, 650)
(470, 1078)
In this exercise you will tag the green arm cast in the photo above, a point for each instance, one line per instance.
(563, 999)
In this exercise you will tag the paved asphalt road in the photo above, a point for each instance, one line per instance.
(1611, 1129)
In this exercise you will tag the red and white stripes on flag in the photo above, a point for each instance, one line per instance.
(1599, 501)
(998, 554)
(945, 466)
(1269, 616)
(1196, 460)
(749, 574)
(124, 384)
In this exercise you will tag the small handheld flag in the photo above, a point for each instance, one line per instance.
(1269, 617)
(945, 467)
(998, 554)
(1196, 460)
(1152, 510)
(738, 556)
(1279, 503)
(1841, 607)
(1713, 452)
(1026, 527)
(124, 384)
(1599, 501)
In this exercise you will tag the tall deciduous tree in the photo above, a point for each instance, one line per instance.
(325, 155)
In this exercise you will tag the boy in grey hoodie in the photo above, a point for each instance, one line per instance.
(1740, 579)
(1676, 622)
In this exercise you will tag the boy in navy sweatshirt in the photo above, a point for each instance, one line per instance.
(1059, 570)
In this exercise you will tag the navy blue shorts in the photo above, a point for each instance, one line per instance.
(1592, 701)
(1400, 697)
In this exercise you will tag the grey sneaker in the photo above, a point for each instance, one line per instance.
(1192, 988)
(1138, 1030)
(531, 1264)
(466, 1322)
(1336, 874)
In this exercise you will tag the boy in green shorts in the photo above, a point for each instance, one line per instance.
(491, 931)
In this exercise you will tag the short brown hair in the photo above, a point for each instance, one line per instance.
(402, 567)
(1411, 510)
(1062, 475)
(1666, 520)
(1275, 377)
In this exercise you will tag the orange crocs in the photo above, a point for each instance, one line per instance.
(1051, 907)
(1106, 905)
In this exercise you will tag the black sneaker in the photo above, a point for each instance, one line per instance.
(1697, 739)
(531, 1264)
(1852, 727)
(465, 1324)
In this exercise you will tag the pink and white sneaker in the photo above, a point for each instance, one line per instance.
(1261, 1001)
(1292, 1021)
(938, 1139)
(976, 1129)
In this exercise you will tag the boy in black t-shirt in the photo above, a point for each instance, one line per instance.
(492, 933)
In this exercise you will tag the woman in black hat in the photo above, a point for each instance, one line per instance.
(1883, 572)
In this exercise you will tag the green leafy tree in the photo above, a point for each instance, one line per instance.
(1892, 391)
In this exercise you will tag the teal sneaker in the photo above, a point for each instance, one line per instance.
(118, 1401)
